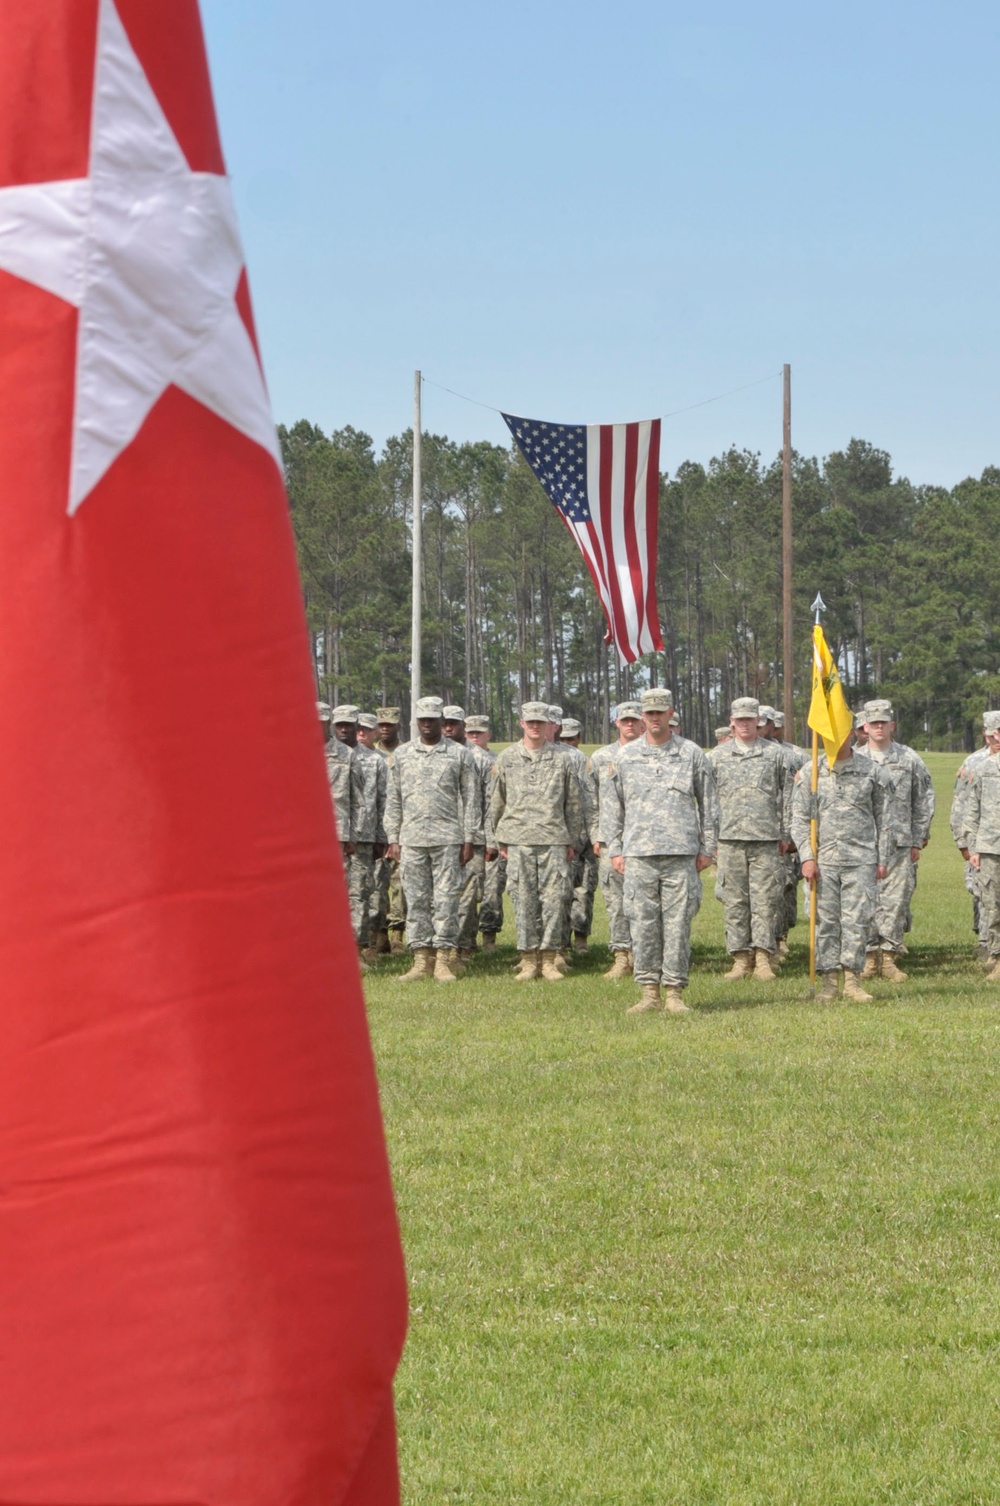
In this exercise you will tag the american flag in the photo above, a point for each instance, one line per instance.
(603, 479)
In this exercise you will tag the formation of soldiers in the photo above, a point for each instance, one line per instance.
(435, 830)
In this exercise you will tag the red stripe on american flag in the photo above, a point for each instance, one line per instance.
(652, 515)
(606, 509)
(631, 440)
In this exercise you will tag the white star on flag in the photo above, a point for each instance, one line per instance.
(149, 252)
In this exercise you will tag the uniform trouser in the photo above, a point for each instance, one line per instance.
(892, 903)
(378, 908)
(432, 882)
(657, 895)
(989, 899)
(584, 880)
(491, 909)
(473, 878)
(538, 881)
(613, 889)
(845, 904)
(396, 906)
(788, 908)
(980, 924)
(750, 884)
(360, 866)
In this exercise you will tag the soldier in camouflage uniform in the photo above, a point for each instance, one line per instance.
(754, 791)
(368, 831)
(391, 904)
(659, 825)
(434, 821)
(957, 821)
(477, 733)
(848, 805)
(537, 813)
(367, 730)
(982, 832)
(628, 720)
(346, 792)
(771, 725)
(474, 874)
(583, 874)
(909, 807)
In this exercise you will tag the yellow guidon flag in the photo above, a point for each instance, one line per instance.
(829, 713)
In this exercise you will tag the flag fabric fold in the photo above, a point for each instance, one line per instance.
(603, 480)
(829, 714)
(202, 1295)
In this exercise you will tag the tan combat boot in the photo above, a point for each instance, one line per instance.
(489, 941)
(579, 941)
(742, 967)
(871, 967)
(423, 965)
(762, 968)
(549, 971)
(442, 967)
(993, 976)
(397, 940)
(381, 943)
(829, 993)
(782, 948)
(890, 970)
(673, 1001)
(853, 989)
(528, 970)
(455, 961)
(559, 959)
(649, 1000)
(621, 967)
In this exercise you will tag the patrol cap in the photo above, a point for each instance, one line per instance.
(477, 724)
(675, 720)
(571, 727)
(859, 720)
(629, 709)
(344, 714)
(722, 732)
(555, 713)
(323, 710)
(429, 705)
(991, 721)
(365, 719)
(535, 711)
(657, 700)
(746, 705)
(388, 714)
(878, 711)
(765, 714)
(779, 718)
(454, 713)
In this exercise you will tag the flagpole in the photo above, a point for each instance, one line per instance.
(818, 606)
(786, 557)
(418, 559)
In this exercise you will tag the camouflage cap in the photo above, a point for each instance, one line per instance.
(388, 714)
(991, 721)
(878, 711)
(366, 720)
(454, 713)
(745, 705)
(859, 720)
(570, 726)
(675, 720)
(657, 700)
(344, 714)
(429, 705)
(722, 732)
(629, 709)
(779, 718)
(555, 714)
(477, 724)
(765, 714)
(535, 711)
(323, 710)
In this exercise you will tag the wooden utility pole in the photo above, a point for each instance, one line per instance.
(418, 561)
(786, 560)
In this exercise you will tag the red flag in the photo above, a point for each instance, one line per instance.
(201, 1288)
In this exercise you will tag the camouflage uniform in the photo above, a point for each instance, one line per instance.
(474, 873)
(982, 826)
(612, 883)
(369, 832)
(754, 791)
(388, 904)
(909, 806)
(849, 802)
(537, 812)
(660, 812)
(433, 806)
(959, 806)
(346, 792)
(583, 869)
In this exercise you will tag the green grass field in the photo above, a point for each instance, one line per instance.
(746, 1255)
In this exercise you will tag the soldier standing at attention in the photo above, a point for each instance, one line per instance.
(909, 806)
(771, 724)
(474, 875)
(346, 792)
(659, 825)
(959, 804)
(583, 876)
(982, 826)
(367, 730)
(629, 723)
(537, 812)
(367, 829)
(848, 804)
(754, 791)
(477, 732)
(434, 821)
(391, 904)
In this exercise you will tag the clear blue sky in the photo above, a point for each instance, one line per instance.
(601, 212)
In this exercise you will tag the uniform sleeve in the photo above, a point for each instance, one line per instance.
(707, 798)
(576, 823)
(359, 799)
(959, 806)
(612, 812)
(923, 802)
(883, 830)
(485, 772)
(393, 803)
(472, 800)
(973, 812)
(802, 812)
(498, 794)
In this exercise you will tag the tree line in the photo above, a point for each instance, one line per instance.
(510, 614)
